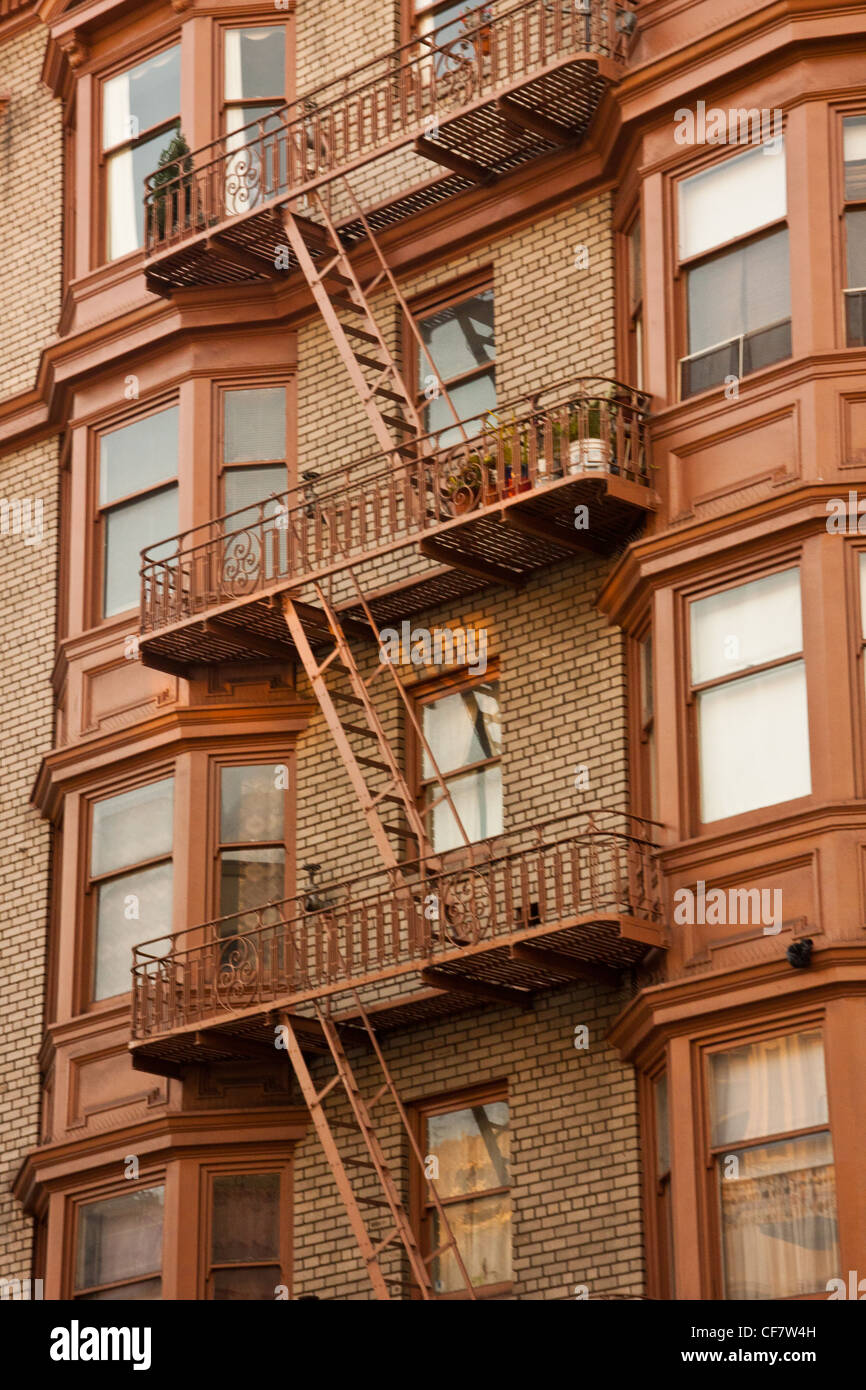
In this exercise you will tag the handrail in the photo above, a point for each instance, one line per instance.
(586, 424)
(384, 102)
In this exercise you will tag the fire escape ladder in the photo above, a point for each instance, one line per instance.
(345, 307)
(372, 1246)
(379, 756)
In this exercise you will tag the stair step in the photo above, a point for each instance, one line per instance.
(398, 830)
(390, 395)
(337, 278)
(370, 362)
(399, 424)
(359, 1163)
(360, 729)
(371, 762)
(341, 301)
(346, 698)
(313, 234)
(360, 333)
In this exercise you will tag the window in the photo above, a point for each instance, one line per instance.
(854, 150)
(664, 1221)
(251, 854)
(749, 688)
(246, 1236)
(140, 117)
(130, 878)
(647, 789)
(448, 24)
(635, 300)
(773, 1159)
(463, 732)
(118, 1248)
(738, 299)
(255, 73)
(471, 1143)
(459, 338)
(137, 502)
(254, 450)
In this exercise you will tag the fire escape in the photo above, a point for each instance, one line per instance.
(491, 506)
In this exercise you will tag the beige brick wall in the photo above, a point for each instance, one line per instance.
(27, 582)
(575, 1158)
(30, 211)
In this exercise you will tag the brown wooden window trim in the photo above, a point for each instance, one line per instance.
(661, 1254)
(84, 984)
(254, 756)
(857, 626)
(634, 303)
(245, 1168)
(732, 579)
(642, 728)
(444, 297)
(681, 267)
(158, 1177)
(419, 1205)
(845, 205)
(153, 405)
(131, 57)
(224, 388)
(427, 692)
(741, 1034)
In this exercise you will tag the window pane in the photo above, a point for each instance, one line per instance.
(255, 62)
(854, 139)
(779, 1223)
(126, 172)
(855, 237)
(753, 736)
(249, 878)
(130, 909)
(473, 1147)
(252, 800)
(139, 456)
(119, 1238)
(245, 1285)
(132, 827)
(143, 96)
(129, 529)
(473, 401)
(463, 728)
(739, 292)
(482, 1230)
(710, 369)
(458, 338)
(731, 199)
(767, 1087)
(245, 488)
(477, 799)
(246, 1218)
(255, 425)
(746, 626)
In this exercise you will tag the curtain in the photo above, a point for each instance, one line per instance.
(767, 1088)
(730, 200)
(746, 626)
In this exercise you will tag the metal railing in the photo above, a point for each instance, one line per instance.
(376, 107)
(380, 504)
(377, 927)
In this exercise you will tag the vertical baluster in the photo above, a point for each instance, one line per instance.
(364, 932)
(380, 934)
(557, 882)
(575, 879)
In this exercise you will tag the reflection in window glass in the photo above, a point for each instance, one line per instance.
(463, 730)
(472, 1148)
(119, 1241)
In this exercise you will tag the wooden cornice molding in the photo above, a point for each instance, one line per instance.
(165, 735)
(698, 1004)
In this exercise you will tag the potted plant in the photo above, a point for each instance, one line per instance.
(170, 189)
(591, 454)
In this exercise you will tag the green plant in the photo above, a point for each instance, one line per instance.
(168, 183)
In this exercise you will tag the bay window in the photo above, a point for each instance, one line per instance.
(772, 1155)
(247, 1225)
(854, 152)
(140, 116)
(129, 878)
(733, 253)
(471, 1145)
(459, 337)
(251, 854)
(253, 452)
(748, 688)
(118, 1248)
(464, 733)
(138, 502)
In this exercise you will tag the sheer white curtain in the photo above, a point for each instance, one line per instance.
(117, 127)
(731, 199)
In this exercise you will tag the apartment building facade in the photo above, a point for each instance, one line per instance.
(435, 830)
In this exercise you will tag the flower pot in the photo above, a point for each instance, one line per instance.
(587, 456)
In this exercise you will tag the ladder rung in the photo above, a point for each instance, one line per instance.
(399, 424)
(398, 830)
(370, 362)
(341, 301)
(359, 729)
(390, 796)
(372, 762)
(373, 1202)
(313, 234)
(389, 395)
(359, 1163)
(337, 277)
(346, 698)
(360, 333)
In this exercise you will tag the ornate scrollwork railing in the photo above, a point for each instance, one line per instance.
(383, 925)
